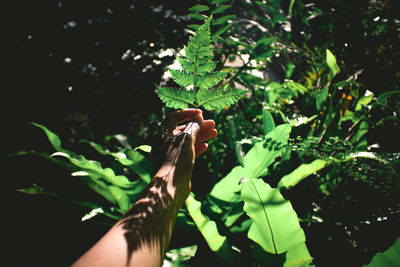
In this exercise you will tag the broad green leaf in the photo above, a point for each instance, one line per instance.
(141, 165)
(389, 258)
(331, 61)
(208, 228)
(225, 193)
(268, 210)
(225, 190)
(198, 8)
(300, 173)
(268, 121)
(94, 167)
(121, 197)
(100, 187)
(131, 158)
(296, 256)
(262, 154)
(55, 141)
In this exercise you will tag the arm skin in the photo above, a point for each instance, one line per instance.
(143, 234)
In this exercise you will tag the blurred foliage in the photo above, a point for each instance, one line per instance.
(312, 141)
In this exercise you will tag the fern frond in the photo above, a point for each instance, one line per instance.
(218, 99)
(183, 78)
(210, 79)
(198, 71)
(176, 98)
(186, 64)
(206, 67)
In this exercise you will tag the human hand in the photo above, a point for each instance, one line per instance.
(175, 147)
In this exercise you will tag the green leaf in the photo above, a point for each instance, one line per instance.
(262, 49)
(179, 257)
(262, 154)
(197, 16)
(225, 193)
(183, 78)
(382, 98)
(198, 72)
(122, 198)
(223, 19)
(141, 165)
(55, 141)
(268, 121)
(300, 173)
(198, 8)
(214, 2)
(291, 6)
(131, 158)
(34, 191)
(176, 98)
(208, 228)
(289, 70)
(220, 9)
(296, 88)
(363, 101)
(331, 61)
(320, 97)
(209, 80)
(389, 258)
(296, 256)
(268, 209)
(218, 99)
(221, 30)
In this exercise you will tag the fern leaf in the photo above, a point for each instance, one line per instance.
(186, 64)
(198, 70)
(183, 78)
(209, 80)
(206, 68)
(218, 99)
(176, 98)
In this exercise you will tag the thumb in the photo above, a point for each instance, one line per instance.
(193, 128)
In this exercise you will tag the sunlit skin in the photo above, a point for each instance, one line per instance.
(142, 236)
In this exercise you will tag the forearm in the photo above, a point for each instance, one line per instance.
(142, 236)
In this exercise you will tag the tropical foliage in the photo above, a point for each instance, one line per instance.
(302, 171)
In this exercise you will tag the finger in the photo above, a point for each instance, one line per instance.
(181, 115)
(207, 132)
(200, 149)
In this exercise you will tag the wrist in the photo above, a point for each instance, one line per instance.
(178, 187)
